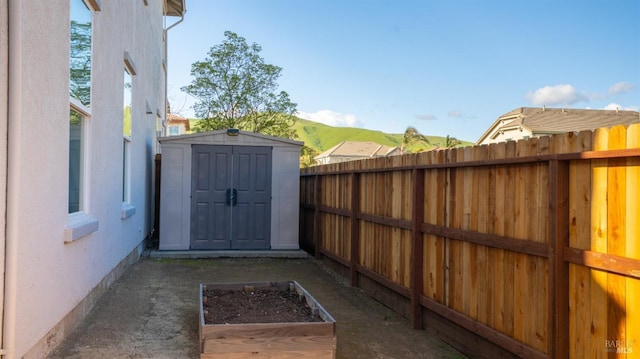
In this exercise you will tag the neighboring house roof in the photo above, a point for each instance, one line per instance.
(175, 119)
(545, 121)
(358, 149)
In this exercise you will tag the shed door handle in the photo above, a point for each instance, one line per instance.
(232, 197)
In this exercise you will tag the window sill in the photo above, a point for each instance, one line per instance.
(127, 211)
(79, 225)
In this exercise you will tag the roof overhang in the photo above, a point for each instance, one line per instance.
(174, 7)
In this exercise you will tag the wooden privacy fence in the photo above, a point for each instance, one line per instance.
(533, 245)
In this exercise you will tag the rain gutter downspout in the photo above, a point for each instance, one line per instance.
(4, 109)
(14, 92)
(166, 58)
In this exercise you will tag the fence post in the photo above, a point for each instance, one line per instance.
(355, 229)
(317, 241)
(417, 247)
(558, 320)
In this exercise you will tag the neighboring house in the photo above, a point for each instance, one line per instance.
(526, 122)
(177, 125)
(354, 150)
(82, 94)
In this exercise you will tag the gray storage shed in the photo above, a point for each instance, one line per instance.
(229, 189)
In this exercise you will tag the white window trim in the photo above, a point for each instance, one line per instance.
(127, 209)
(77, 106)
(129, 65)
(80, 224)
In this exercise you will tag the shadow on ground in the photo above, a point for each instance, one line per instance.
(152, 311)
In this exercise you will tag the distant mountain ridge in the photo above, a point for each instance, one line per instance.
(321, 137)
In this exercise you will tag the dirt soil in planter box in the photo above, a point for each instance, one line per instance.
(257, 306)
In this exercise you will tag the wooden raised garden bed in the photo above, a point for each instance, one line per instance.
(226, 334)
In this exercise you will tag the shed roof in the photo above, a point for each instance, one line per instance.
(220, 137)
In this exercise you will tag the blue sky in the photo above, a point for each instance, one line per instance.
(444, 67)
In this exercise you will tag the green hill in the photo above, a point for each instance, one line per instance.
(321, 137)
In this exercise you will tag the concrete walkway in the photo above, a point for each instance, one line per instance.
(152, 311)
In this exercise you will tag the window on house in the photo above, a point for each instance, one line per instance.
(159, 126)
(126, 131)
(126, 124)
(76, 166)
(80, 53)
(79, 223)
(80, 98)
(125, 169)
(174, 130)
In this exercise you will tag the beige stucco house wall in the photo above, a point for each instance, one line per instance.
(56, 264)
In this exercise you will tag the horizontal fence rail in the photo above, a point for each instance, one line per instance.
(532, 245)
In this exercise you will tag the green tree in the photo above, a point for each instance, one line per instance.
(412, 136)
(235, 88)
(307, 155)
(450, 142)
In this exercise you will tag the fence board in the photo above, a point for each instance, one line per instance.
(468, 272)
(599, 317)
(616, 203)
(521, 278)
(537, 268)
(497, 256)
(633, 240)
(509, 230)
(433, 280)
(454, 291)
(481, 188)
(429, 249)
(579, 237)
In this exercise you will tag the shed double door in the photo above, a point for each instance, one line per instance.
(230, 197)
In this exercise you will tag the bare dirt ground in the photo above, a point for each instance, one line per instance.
(255, 306)
(152, 312)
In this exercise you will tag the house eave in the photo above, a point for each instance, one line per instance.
(499, 123)
(174, 7)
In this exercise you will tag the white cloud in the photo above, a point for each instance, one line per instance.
(331, 118)
(426, 117)
(455, 113)
(555, 95)
(620, 87)
(615, 106)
